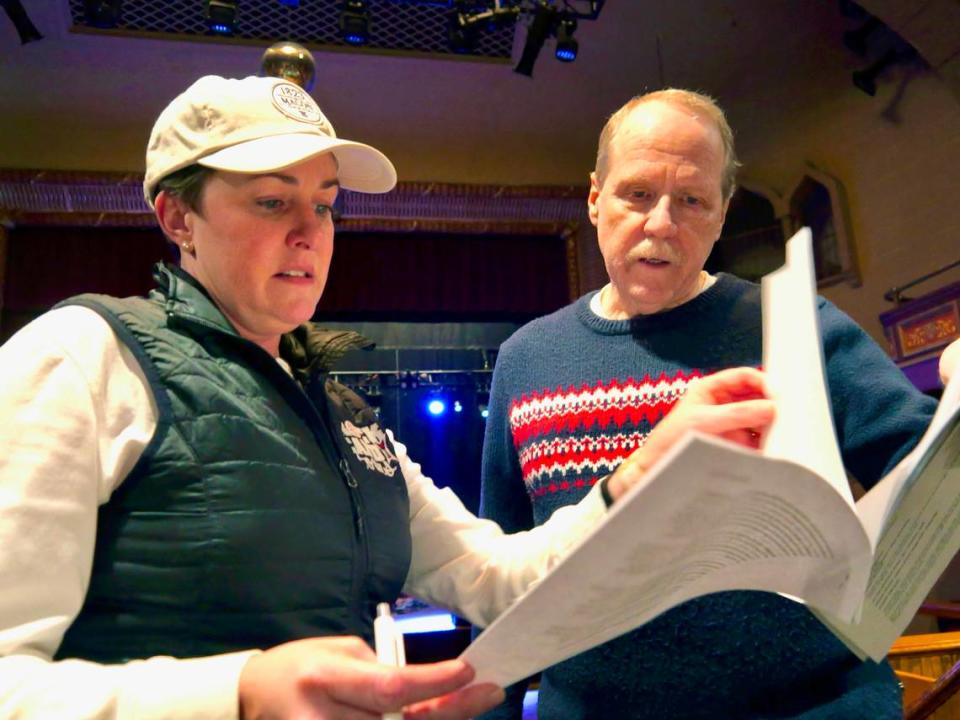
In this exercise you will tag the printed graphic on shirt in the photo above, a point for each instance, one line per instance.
(371, 447)
(568, 438)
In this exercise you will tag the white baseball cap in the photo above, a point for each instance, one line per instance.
(255, 125)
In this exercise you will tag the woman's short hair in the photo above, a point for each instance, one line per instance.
(187, 184)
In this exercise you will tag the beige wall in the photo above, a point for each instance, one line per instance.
(902, 181)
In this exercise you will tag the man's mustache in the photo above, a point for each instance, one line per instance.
(653, 250)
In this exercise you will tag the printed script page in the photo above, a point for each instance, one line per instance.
(916, 511)
(710, 517)
(803, 431)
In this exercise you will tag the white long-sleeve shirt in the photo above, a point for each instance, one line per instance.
(75, 415)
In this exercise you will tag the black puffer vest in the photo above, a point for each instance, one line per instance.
(264, 509)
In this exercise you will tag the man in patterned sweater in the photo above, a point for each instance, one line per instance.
(575, 392)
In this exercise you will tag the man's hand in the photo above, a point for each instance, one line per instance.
(730, 404)
(339, 678)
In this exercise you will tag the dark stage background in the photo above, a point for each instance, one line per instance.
(438, 305)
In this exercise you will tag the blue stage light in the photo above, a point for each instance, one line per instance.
(457, 407)
(567, 45)
(436, 407)
(355, 22)
(221, 16)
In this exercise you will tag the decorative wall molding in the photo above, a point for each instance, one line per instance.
(115, 198)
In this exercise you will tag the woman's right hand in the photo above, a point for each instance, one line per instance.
(339, 678)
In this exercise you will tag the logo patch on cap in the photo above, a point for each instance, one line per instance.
(294, 102)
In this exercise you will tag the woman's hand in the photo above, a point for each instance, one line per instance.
(731, 404)
(339, 678)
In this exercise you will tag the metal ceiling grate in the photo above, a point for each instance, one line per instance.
(412, 27)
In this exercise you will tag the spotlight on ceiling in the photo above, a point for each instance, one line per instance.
(461, 39)
(540, 28)
(461, 33)
(866, 79)
(355, 22)
(468, 18)
(102, 13)
(567, 45)
(221, 16)
(21, 22)
(856, 40)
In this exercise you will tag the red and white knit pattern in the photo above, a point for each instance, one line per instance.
(610, 419)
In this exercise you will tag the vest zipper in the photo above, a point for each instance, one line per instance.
(358, 500)
(331, 448)
(362, 565)
(328, 445)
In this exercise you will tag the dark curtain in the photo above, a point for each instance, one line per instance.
(374, 276)
(438, 276)
(48, 264)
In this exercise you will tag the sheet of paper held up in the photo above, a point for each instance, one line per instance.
(913, 519)
(803, 431)
(669, 538)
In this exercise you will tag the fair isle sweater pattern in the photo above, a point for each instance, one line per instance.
(571, 437)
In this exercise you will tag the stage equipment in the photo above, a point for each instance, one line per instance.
(102, 13)
(355, 22)
(21, 21)
(567, 46)
(221, 16)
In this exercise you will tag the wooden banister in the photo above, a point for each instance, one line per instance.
(935, 697)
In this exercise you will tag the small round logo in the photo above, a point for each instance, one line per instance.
(294, 102)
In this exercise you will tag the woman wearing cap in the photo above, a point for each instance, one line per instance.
(195, 520)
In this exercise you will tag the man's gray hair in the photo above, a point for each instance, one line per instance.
(701, 105)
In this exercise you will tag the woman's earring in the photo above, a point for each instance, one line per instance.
(187, 246)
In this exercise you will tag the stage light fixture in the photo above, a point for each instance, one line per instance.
(457, 407)
(540, 28)
(355, 22)
(21, 21)
(856, 40)
(483, 400)
(102, 13)
(436, 406)
(567, 46)
(221, 16)
(461, 34)
(467, 18)
(866, 79)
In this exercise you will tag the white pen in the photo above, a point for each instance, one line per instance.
(388, 641)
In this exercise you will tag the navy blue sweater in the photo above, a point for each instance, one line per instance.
(573, 394)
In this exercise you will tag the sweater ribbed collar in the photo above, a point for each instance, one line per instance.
(692, 311)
